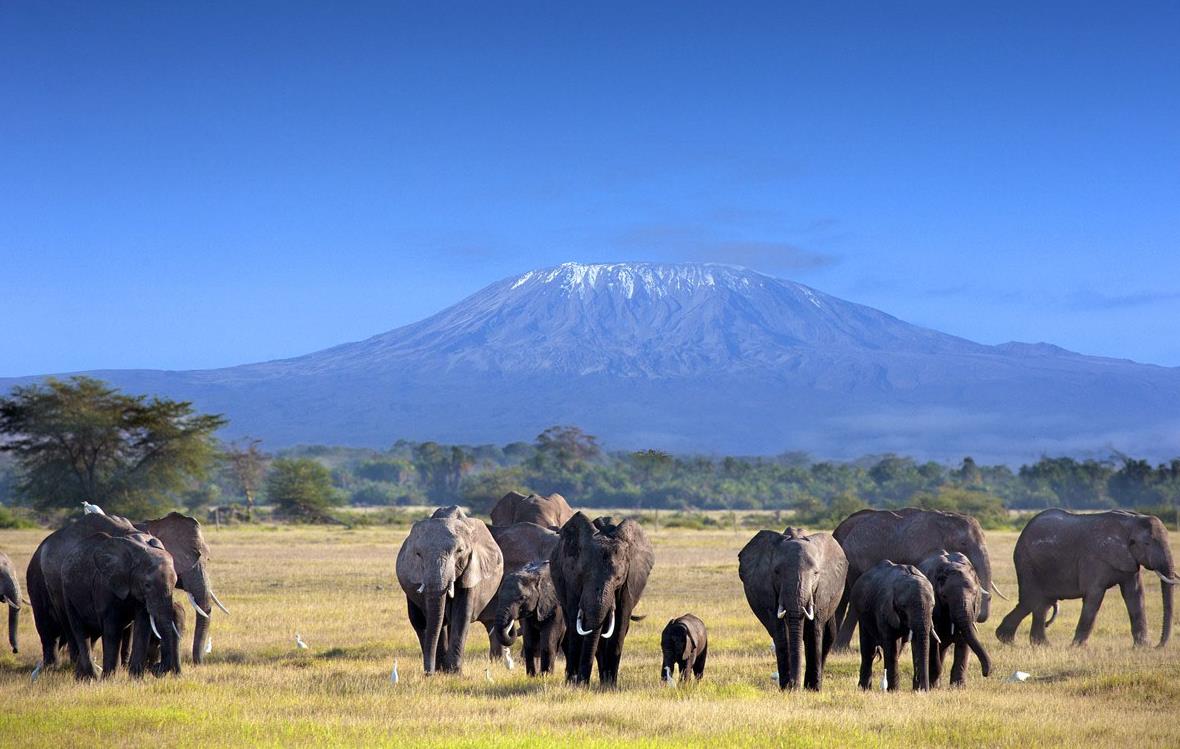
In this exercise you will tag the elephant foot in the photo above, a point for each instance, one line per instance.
(1076, 643)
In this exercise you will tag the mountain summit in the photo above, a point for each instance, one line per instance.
(691, 358)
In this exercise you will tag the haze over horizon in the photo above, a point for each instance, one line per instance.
(191, 188)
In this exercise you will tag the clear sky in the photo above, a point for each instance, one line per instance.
(203, 184)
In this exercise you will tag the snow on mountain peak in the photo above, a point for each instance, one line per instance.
(653, 279)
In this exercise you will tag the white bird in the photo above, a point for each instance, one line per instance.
(393, 674)
(884, 682)
(487, 674)
(299, 642)
(774, 677)
(209, 646)
(511, 664)
(1018, 677)
(37, 670)
(667, 676)
(90, 509)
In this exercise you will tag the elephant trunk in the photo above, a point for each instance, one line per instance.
(13, 628)
(507, 612)
(196, 583)
(1166, 591)
(794, 650)
(434, 621)
(920, 628)
(160, 613)
(983, 570)
(965, 628)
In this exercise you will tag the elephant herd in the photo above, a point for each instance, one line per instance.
(568, 585)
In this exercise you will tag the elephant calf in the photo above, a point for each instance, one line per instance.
(686, 646)
(957, 597)
(894, 602)
(528, 595)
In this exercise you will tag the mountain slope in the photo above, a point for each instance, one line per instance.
(690, 357)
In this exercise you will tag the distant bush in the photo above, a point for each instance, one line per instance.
(384, 516)
(988, 509)
(10, 518)
(301, 489)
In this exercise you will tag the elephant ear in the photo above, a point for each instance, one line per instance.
(577, 531)
(110, 559)
(757, 556)
(546, 595)
(486, 561)
(888, 610)
(641, 557)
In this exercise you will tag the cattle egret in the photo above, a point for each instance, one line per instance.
(1018, 677)
(511, 664)
(884, 682)
(209, 646)
(37, 670)
(299, 642)
(393, 674)
(774, 677)
(90, 509)
(487, 674)
(667, 676)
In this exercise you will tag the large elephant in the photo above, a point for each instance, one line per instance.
(110, 582)
(1064, 555)
(548, 512)
(449, 567)
(182, 538)
(599, 571)
(957, 598)
(10, 598)
(521, 545)
(894, 602)
(527, 596)
(907, 536)
(44, 578)
(794, 583)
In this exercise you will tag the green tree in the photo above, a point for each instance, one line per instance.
(301, 488)
(442, 469)
(82, 440)
(566, 448)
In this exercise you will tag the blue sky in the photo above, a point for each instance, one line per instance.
(199, 186)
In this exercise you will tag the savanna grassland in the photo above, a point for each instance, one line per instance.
(336, 587)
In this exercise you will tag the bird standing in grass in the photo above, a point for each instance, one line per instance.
(209, 646)
(393, 674)
(299, 642)
(487, 674)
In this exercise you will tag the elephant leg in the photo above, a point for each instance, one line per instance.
(440, 649)
(418, 622)
(125, 646)
(529, 647)
(609, 655)
(935, 660)
(959, 664)
(83, 662)
(868, 650)
(139, 645)
(1037, 634)
(113, 637)
(495, 648)
(782, 653)
(1132, 591)
(844, 636)
(813, 672)
(1091, 602)
(687, 665)
(830, 628)
(890, 648)
(1006, 632)
(698, 666)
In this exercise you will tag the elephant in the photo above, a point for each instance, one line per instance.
(528, 596)
(521, 544)
(957, 597)
(685, 645)
(449, 567)
(907, 536)
(10, 596)
(1062, 554)
(548, 512)
(894, 602)
(44, 578)
(599, 571)
(109, 582)
(793, 583)
(182, 538)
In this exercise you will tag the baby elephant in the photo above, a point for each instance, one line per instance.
(686, 646)
(894, 603)
(957, 598)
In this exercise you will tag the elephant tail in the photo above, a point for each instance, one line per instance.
(1053, 618)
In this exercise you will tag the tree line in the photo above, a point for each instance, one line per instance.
(65, 441)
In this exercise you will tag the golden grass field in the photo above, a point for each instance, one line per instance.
(337, 588)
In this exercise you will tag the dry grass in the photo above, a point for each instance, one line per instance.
(337, 588)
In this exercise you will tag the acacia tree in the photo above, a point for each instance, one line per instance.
(246, 464)
(301, 488)
(82, 440)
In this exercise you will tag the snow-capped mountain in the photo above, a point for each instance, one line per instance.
(690, 357)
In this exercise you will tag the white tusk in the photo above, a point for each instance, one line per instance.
(200, 611)
(997, 590)
(1166, 579)
(421, 587)
(610, 630)
(451, 590)
(985, 593)
(175, 629)
(507, 631)
(214, 597)
(782, 613)
(155, 631)
(810, 612)
(952, 629)
(13, 605)
(578, 625)
(934, 635)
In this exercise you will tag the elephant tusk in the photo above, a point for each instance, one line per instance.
(611, 629)
(1166, 579)
(985, 593)
(176, 629)
(200, 611)
(507, 632)
(219, 605)
(1054, 617)
(782, 613)
(578, 625)
(156, 632)
(809, 612)
(997, 590)
(11, 604)
(421, 587)
(451, 590)
(935, 637)
(952, 629)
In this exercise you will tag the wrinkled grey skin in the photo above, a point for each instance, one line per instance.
(449, 567)
(958, 595)
(787, 576)
(10, 599)
(685, 645)
(894, 602)
(182, 538)
(1062, 555)
(527, 596)
(548, 512)
(521, 544)
(599, 571)
(906, 536)
(107, 583)
(43, 578)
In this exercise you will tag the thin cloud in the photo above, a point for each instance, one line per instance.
(1088, 300)
(696, 243)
